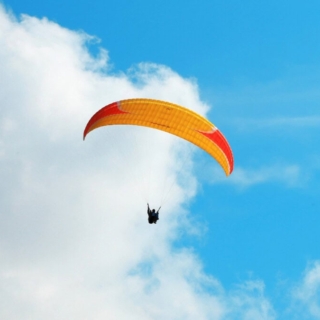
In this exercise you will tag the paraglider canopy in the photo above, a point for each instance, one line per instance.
(168, 117)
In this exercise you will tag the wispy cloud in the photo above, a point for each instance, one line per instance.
(278, 123)
(288, 175)
(249, 302)
(306, 295)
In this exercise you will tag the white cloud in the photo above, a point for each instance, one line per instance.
(289, 175)
(74, 238)
(250, 303)
(306, 295)
(280, 122)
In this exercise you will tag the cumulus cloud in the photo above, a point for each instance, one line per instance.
(74, 238)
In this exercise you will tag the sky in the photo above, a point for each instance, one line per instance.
(74, 238)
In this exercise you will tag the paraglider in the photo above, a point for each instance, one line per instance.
(170, 118)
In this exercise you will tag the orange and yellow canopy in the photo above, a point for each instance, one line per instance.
(168, 117)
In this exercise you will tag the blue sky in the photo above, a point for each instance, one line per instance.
(216, 42)
(253, 68)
